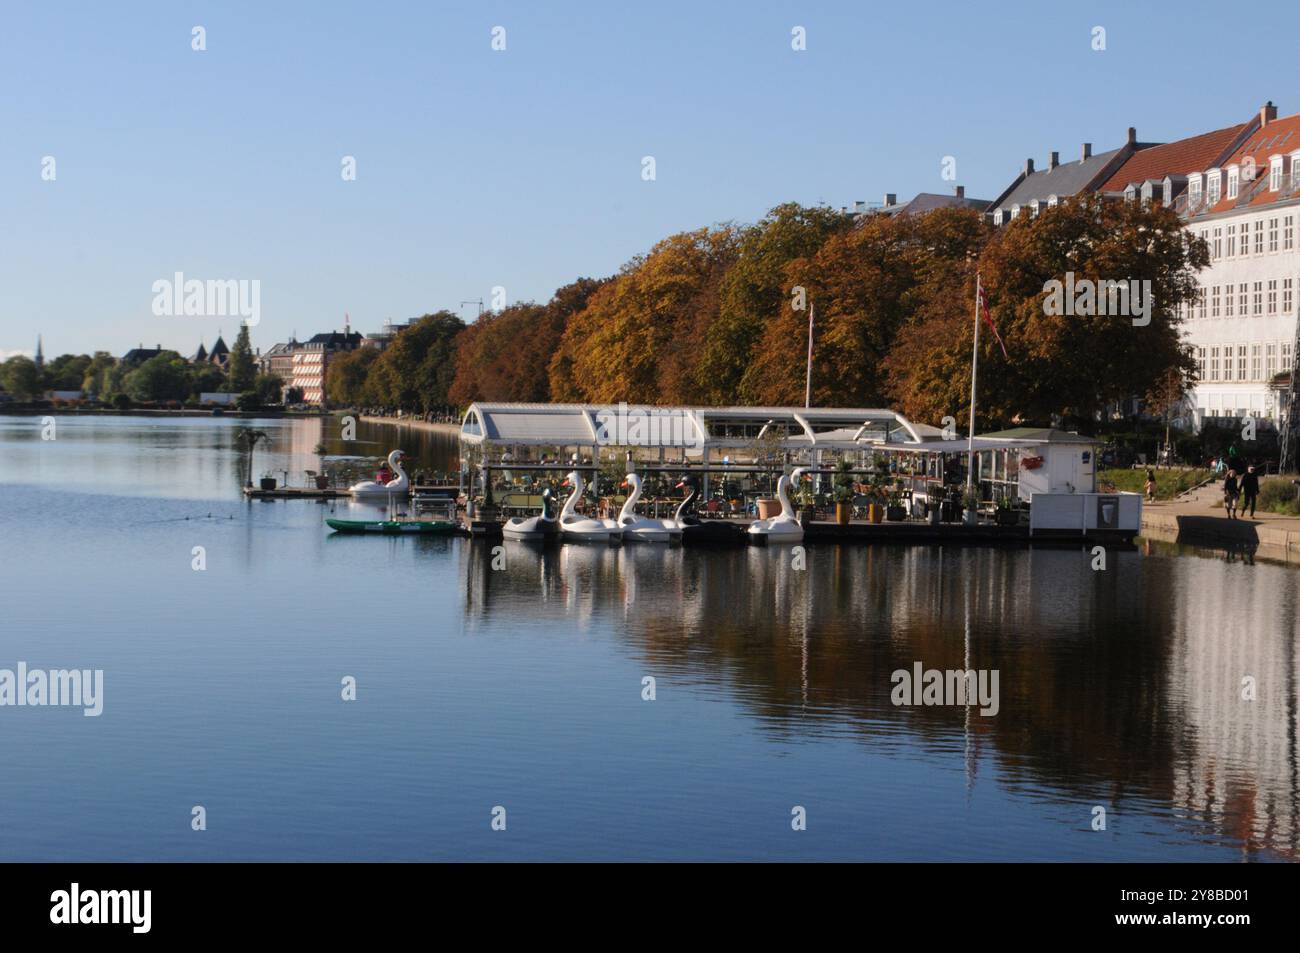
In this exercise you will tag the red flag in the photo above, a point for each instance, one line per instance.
(988, 319)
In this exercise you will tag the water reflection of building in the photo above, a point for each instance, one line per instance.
(1117, 686)
(1231, 623)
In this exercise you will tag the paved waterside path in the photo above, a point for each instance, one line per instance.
(431, 426)
(1196, 519)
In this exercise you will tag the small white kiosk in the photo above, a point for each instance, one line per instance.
(1056, 473)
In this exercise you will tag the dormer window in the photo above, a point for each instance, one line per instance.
(1148, 191)
(1234, 178)
(997, 217)
(1295, 170)
(1015, 211)
(1194, 188)
(1130, 193)
(1051, 201)
(1033, 207)
(1274, 173)
(1212, 188)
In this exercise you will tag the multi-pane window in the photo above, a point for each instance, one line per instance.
(1243, 298)
(1257, 301)
(1244, 247)
(1200, 302)
(1286, 296)
(1228, 298)
(1232, 183)
(1272, 234)
(1213, 191)
(1272, 296)
(1288, 233)
(1256, 362)
(1214, 363)
(1270, 361)
(1216, 247)
(1214, 301)
(1275, 177)
(1241, 362)
(1286, 358)
(1200, 363)
(1231, 250)
(1259, 238)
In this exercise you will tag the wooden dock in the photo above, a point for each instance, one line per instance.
(295, 493)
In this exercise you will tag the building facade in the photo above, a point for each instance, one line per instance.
(1242, 326)
(309, 362)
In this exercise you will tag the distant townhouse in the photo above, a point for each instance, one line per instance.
(1242, 327)
(1037, 189)
(1161, 174)
(138, 355)
(278, 359)
(310, 362)
(923, 202)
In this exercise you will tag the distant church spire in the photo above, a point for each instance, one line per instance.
(40, 355)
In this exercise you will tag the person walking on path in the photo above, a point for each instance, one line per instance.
(1151, 487)
(1230, 493)
(1249, 491)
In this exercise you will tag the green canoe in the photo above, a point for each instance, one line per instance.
(392, 527)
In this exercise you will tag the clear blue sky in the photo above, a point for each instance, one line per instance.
(522, 168)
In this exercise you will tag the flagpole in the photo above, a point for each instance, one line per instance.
(974, 365)
(807, 386)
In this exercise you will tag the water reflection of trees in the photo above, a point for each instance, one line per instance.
(1116, 684)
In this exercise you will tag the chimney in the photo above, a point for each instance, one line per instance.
(1132, 135)
(961, 191)
(1267, 113)
(891, 198)
(1087, 151)
(1054, 160)
(1029, 167)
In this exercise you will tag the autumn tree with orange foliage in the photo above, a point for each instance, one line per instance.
(1069, 366)
(639, 337)
(506, 355)
(865, 284)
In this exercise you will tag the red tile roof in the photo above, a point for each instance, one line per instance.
(1194, 154)
(1279, 137)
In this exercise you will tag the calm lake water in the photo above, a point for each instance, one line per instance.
(522, 687)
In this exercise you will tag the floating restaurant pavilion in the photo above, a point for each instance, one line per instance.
(716, 439)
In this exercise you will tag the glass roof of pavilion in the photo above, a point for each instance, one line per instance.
(505, 424)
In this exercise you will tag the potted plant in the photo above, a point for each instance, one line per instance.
(971, 504)
(843, 491)
(895, 512)
(268, 481)
(246, 438)
(1004, 515)
(805, 500)
(322, 477)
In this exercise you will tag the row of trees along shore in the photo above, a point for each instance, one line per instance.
(706, 317)
(166, 377)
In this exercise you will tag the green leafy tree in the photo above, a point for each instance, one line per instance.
(66, 372)
(20, 378)
(417, 368)
(163, 377)
(269, 388)
(241, 373)
(94, 379)
(346, 378)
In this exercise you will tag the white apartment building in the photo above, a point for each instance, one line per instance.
(1242, 327)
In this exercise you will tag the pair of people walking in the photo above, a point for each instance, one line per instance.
(1243, 490)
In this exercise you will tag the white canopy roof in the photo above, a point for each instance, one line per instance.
(685, 427)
